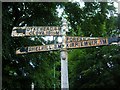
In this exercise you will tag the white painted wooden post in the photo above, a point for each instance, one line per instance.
(32, 86)
(64, 59)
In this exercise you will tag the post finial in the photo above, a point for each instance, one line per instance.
(64, 24)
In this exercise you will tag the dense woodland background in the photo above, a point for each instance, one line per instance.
(95, 67)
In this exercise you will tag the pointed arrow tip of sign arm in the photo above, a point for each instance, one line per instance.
(113, 40)
(18, 52)
(22, 50)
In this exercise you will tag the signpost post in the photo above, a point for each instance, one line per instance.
(68, 42)
(64, 58)
(32, 86)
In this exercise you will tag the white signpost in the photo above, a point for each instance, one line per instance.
(68, 42)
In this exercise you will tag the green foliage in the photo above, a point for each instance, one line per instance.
(93, 67)
(19, 71)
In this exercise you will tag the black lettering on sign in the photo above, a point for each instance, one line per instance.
(57, 33)
(103, 41)
(20, 31)
(55, 28)
(95, 42)
(67, 39)
(46, 28)
(50, 47)
(31, 49)
(30, 32)
(23, 49)
(81, 44)
(73, 44)
(55, 46)
(34, 48)
(37, 32)
(90, 43)
(43, 33)
(84, 38)
(34, 31)
(48, 32)
(42, 48)
(86, 43)
(76, 44)
(77, 39)
(38, 48)
(67, 45)
(70, 39)
(41, 28)
(40, 33)
(59, 28)
(73, 39)
(59, 46)
(80, 38)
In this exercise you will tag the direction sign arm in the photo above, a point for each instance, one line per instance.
(40, 48)
(36, 31)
